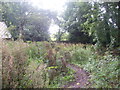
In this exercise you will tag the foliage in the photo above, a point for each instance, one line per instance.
(103, 24)
(14, 33)
(43, 64)
(32, 64)
(36, 28)
(92, 22)
(103, 69)
(72, 20)
(29, 22)
(62, 79)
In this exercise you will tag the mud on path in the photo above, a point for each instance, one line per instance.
(81, 78)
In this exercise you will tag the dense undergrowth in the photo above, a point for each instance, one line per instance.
(103, 69)
(43, 64)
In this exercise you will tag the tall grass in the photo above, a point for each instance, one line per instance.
(31, 65)
(104, 68)
(43, 64)
(14, 63)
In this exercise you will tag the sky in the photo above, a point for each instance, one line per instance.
(53, 5)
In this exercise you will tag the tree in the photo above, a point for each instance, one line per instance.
(37, 27)
(29, 22)
(73, 20)
(15, 13)
(103, 25)
(93, 20)
(0, 11)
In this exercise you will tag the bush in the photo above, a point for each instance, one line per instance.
(104, 71)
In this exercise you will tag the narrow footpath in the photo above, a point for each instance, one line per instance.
(81, 78)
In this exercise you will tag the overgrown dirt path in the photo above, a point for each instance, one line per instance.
(81, 78)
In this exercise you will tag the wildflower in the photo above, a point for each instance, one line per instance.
(78, 83)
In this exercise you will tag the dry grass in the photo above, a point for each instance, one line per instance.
(20, 70)
(14, 63)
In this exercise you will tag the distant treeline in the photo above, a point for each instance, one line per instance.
(86, 22)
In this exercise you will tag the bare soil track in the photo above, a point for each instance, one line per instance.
(81, 78)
